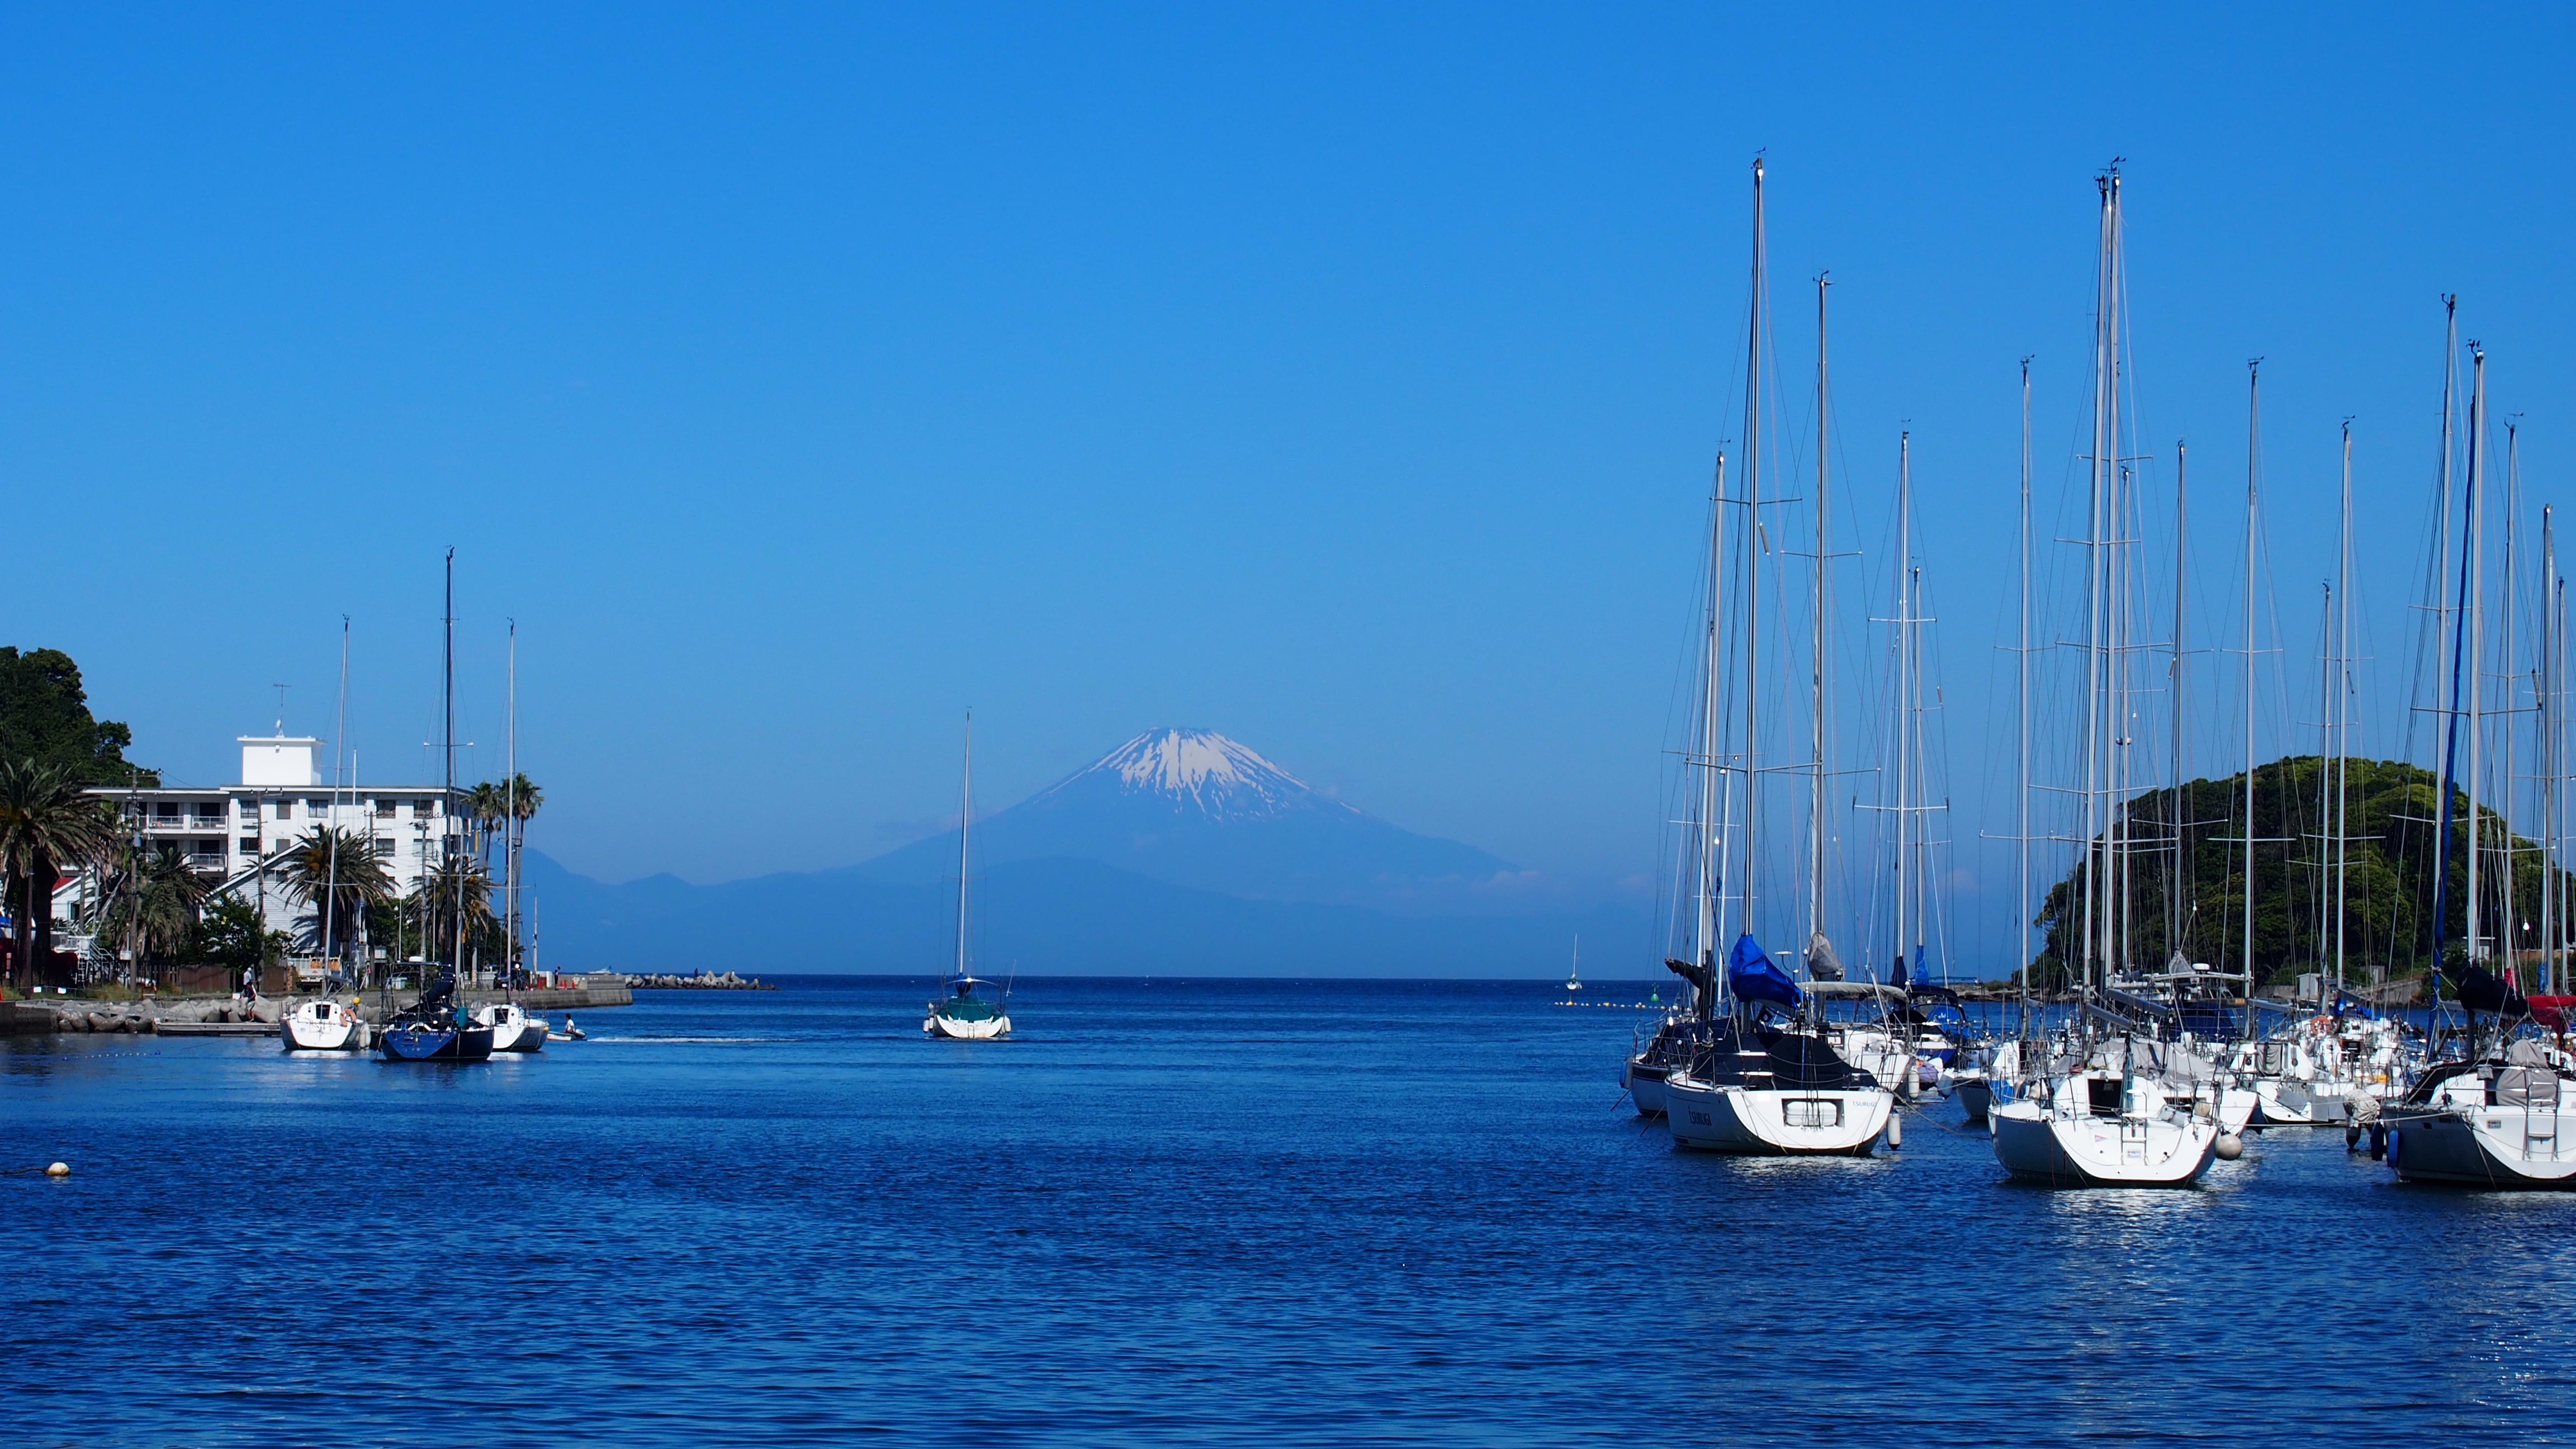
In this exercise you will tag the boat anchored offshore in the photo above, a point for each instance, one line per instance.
(1773, 1088)
(963, 1015)
(323, 1026)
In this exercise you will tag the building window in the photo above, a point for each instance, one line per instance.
(250, 845)
(384, 849)
(316, 807)
(384, 809)
(285, 809)
(423, 809)
(166, 810)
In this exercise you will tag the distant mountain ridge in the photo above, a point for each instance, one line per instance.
(1180, 852)
(1192, 808)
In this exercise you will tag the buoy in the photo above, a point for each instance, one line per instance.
(59, 1169)
(2230, 1147)
(1895, 1131)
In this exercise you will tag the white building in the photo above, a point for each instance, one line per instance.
(235, 832)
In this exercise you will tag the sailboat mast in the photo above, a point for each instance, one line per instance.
(2547, 699)
(1753, 560)
(340, 732)
(1816, 799)
(965, 818)
(2474, 664)
(2508, 782)
(2451, 649)
(2341, 712)
(2178, 897)
(1711, 824)
(452, 856)
(510, 817)
(2097, 914)
(1904, 668)
(2253, 472)
(2021, 828)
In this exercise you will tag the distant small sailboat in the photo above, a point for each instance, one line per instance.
(1574, 973)
(963, 1015)
(323, 1026)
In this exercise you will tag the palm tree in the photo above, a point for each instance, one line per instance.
(152, 902)
(48, 824)
(337, 873)
(486, 807)
(523, 797)
(455, 885)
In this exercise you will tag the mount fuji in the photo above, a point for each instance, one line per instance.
(1180, 852)
(1193, 808)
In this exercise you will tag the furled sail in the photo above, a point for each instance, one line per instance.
(1752, 977)
(1822, 963)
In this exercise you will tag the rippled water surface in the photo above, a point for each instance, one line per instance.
(1184, 1213)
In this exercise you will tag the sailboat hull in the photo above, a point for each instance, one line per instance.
(2037, 1144)
(2505, 1147)
(1645, 1086)
(988, 1029)
(1976, 1096)
(1775, 1122)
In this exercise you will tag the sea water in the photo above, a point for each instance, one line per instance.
(1183, 1212)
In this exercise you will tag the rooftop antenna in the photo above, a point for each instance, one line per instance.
(281, 710)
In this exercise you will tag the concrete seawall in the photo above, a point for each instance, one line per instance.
(77, 1014)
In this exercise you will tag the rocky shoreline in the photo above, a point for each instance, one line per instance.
(702, 981)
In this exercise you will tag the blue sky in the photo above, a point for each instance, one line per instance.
(1342, 379)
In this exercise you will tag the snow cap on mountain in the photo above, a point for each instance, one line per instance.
(1203, 768)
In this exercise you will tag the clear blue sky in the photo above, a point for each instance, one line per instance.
(1342, 379)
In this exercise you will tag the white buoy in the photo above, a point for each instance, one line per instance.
(1895, 1130)
(59, 1169)
(2230, 1147)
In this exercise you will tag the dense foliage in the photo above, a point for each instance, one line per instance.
(45, 718)
(2192, 899)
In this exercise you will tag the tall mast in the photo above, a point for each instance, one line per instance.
(2341, 712)
(965, 817)
(2450, 649)
(340, 735)
(2021, 830)
(2178, 897)
(2253, 472)
(2547, 699)
(2474, 665)
(1816, 801)
(1711, 823)
(2097, 913)
(451, 856)
(2508, 783)
(1904, 667)
(510, 816)
(1753, 562)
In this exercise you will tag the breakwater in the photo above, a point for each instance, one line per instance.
(145, 1015)
(701, 981)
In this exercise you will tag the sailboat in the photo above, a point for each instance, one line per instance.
(323, 1026)
(2503, 1113)
(963, 1014)
(1763, 1077)
(514, 1029)
(437, 1027)
(2103, 1110)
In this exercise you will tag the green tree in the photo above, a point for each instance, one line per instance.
(232, 935)
(2184, 857)
(152, 900)
(48, 827)
(454, 894)
(337, 873)
(44, 717)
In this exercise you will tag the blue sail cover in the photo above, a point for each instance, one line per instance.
(1751, 976)
(1899, 982)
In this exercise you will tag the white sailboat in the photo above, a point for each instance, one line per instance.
(2504, 1113)
(1766, 1079)
(2100, 1111)
(963, 1014)
(323, 1026)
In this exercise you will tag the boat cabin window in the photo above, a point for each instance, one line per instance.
(2105, 1095)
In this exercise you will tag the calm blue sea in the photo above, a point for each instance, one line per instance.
(1207, 1212)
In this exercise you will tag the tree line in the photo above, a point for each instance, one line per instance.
(2185, 856)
